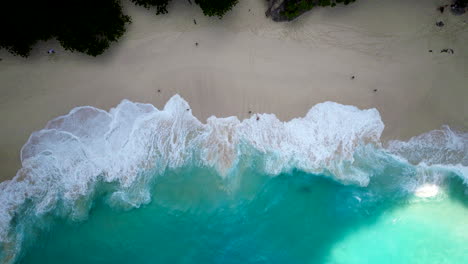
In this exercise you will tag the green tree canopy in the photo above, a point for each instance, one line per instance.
(161, 5)
(87, 26)
(209, 7)
(216, 7)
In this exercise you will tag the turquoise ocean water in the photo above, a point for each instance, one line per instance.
(157, 186)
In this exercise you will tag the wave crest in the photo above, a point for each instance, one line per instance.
(63, 162)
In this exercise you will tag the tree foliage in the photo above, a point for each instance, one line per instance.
(209, 7)
(87, 26)
(216, 7)
(161, 5)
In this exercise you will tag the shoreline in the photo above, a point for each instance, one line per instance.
(246, 62)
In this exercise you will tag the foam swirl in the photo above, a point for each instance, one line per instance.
(63, 163)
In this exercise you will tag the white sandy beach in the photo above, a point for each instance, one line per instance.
(246, 62)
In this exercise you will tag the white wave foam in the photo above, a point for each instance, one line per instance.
(63, 162)
(427, 190)
(65, 159)
(443, 148)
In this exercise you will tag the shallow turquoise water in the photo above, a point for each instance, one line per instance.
(197, 217)
(141, 185)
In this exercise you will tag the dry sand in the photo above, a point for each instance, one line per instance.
(245, 62)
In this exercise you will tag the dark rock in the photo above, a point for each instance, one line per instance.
(375, 90)
(250, 112)
(440, 24)
(287, 10)
(196, 43)
(459, 7)
(352, 77)
(447, 51)
(194, 21)
(441, 9)
(430, 50)
(275, 8)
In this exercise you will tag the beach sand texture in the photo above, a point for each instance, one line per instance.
(248, 63)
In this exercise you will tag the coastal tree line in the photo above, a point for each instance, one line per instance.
(209, 7)
(90, 26)
(87, 26)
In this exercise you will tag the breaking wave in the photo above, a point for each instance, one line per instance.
(64, 164)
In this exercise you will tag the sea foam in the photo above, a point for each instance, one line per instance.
(63, 163)
(440, 148)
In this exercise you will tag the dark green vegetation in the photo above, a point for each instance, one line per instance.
(216, 7)
(161, 5)
(209, 7)
(294, 8)
(459, 7)
(87, 26)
